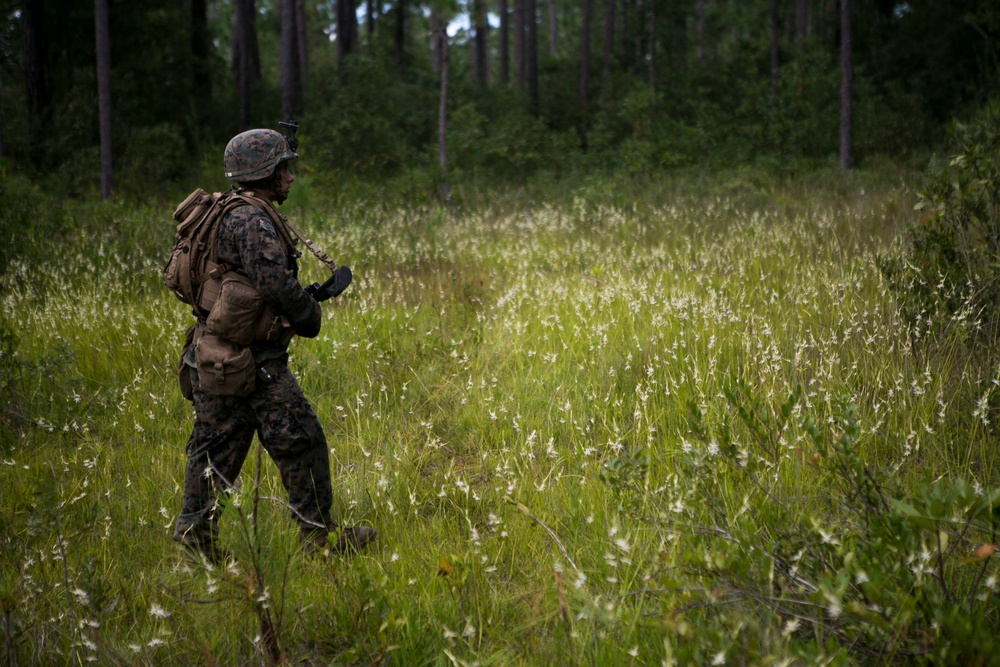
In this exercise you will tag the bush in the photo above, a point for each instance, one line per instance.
(950, 265)
(859, 568)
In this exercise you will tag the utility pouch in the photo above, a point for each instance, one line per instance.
(272, 328)
(224, 368)
(237, 310)
(183, 370)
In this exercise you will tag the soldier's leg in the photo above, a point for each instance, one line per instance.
(293, 437)
(218, 446)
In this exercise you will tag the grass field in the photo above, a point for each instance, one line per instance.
(601, 429)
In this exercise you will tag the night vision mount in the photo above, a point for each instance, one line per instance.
(290, 127)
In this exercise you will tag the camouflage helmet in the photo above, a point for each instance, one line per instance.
(253, 155)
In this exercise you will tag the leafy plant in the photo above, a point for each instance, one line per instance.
(952, 255)
(862, 568)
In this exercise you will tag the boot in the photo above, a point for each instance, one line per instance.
(354, 538)
(316, 542)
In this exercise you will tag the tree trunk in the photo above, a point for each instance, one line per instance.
(241, 57)
(774, 48)
(35, 72)
(2, 150)
(637, 24)
(442, 38)
(700, 31)
(481, 43)
(347, 29)
(531, 64)
(519, 54)
(370, 24)
(400, 36)
(288, 62)
(504, 43)
(584, 70)
(201, 46)
(300, 29)
(609, 46)
(103, 46)
(253, 43)
(846, 84)
(801, 19)
(651, 52)
(553, 29)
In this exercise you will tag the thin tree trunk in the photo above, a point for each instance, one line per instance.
(442, 36)
(400, 36)
(609, 46)
(504, 43)
(519, 54)
(300, 30)
(801, 20)
(846, 85)
(436, 22)
(531, 16)
(288, 62)
(2, 150)
(651, 53)
(774, 48)
(700, 31)
(103, 46)
(481, 43)
(638, 34)
(370, 24)
(553, 29)
(253, 43)
(347, 29)
(584, 70)
(200, 54)
(35, 72)
(244, 41)
(623, 30)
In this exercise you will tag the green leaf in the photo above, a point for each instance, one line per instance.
(912, 515)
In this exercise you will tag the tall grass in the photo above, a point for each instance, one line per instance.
(507, 392)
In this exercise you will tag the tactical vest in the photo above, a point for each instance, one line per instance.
(223, 297)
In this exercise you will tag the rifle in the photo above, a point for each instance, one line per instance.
(333, 286)
(342, 276)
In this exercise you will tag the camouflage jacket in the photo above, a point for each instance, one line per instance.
(251, 241)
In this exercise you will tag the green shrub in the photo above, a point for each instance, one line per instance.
(858, 567)
(952, 254)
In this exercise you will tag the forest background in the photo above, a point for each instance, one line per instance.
(673, 337)
(618, 85)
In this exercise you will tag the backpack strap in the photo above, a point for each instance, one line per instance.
(274, 214)
(313, 248)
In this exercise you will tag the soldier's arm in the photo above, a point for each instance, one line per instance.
(265, 264)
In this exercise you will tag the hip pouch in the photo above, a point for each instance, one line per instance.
(183, 370)
(237, 310)
(224, 368)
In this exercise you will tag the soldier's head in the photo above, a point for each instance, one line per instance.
(258, 161)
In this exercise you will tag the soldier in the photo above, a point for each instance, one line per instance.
(254, 246)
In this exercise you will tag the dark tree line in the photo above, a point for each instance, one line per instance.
(637, 83)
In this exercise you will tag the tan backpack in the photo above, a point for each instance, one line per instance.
(193, 272)
(192, 264)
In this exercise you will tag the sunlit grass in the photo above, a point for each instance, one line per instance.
(482, 369)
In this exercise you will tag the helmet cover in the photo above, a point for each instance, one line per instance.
(253, 155)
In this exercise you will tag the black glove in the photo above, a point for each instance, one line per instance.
(307, 326)
(334, 285)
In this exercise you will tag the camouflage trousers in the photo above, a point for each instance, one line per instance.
(223, 432)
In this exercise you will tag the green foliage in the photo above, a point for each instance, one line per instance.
(153, 156)
(853, 570)
(570, 408)
(950, 263)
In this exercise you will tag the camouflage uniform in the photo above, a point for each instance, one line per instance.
(249, 241)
